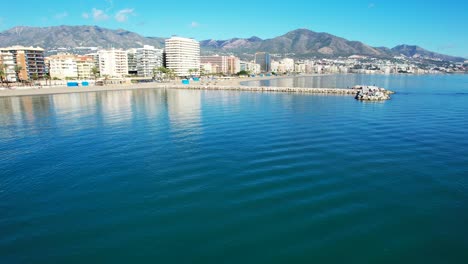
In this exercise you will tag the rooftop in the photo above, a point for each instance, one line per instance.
(22, 48)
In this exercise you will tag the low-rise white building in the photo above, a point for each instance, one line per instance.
(62, 66)
(70, 66)
(207, 68)
(274, 66)
(85, 65)
(288, 64)
(300, 67)
(250, 67)
(219, 64)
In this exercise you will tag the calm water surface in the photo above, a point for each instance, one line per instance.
(238, 177)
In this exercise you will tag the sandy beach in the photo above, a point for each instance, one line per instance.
(45, 90)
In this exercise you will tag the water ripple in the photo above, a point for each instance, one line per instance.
(232, 174)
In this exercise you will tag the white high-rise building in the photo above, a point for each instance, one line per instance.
(113, 63)
(148, 58)
(8, 62)
(132, 61)
(31, 61)
(233, 65)
(182, 55)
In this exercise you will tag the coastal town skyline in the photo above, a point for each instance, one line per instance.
(376, 23)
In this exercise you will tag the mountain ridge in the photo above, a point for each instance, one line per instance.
(299, 43)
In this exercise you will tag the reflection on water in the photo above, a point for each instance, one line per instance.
(87, 110)
(77, 111)
(183, 105)
(116, 107)
(184, 112)
(23, 111)
(150, 103)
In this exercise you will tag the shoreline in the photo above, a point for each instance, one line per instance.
(242, 82)
(122, 87)
(234, 84)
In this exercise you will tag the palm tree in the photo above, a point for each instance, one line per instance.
(158, 71)
(162, 70)
(155, 72)
(171, 73)
(18, 70)
(47, 77)
(202, 72)
(95, 72)
(2, 73)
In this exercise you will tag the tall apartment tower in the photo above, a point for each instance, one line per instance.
(263, 58)
(148, 58)
(113, 63)
(31, 61)
(182, 55)
(8, 62)
(233, 65)
(132, 61)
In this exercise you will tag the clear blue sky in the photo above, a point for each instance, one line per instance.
(440, 26)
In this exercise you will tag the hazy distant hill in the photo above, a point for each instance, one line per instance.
(418, 52)
(301, 42)
(75, 36)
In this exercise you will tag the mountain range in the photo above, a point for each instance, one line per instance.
(300, 43)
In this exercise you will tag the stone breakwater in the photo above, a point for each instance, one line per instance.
(270, 89)
(372, 93)
(361, 93)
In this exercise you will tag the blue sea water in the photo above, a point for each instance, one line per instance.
(178, 176)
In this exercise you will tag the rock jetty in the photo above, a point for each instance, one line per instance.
(363, 93)
(270, 89)
(372, 93)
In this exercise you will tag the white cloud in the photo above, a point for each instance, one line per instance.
(111, 5)
(99, 15)
(61, 15)
(122, 15)
(104, 14)
(194, 24)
